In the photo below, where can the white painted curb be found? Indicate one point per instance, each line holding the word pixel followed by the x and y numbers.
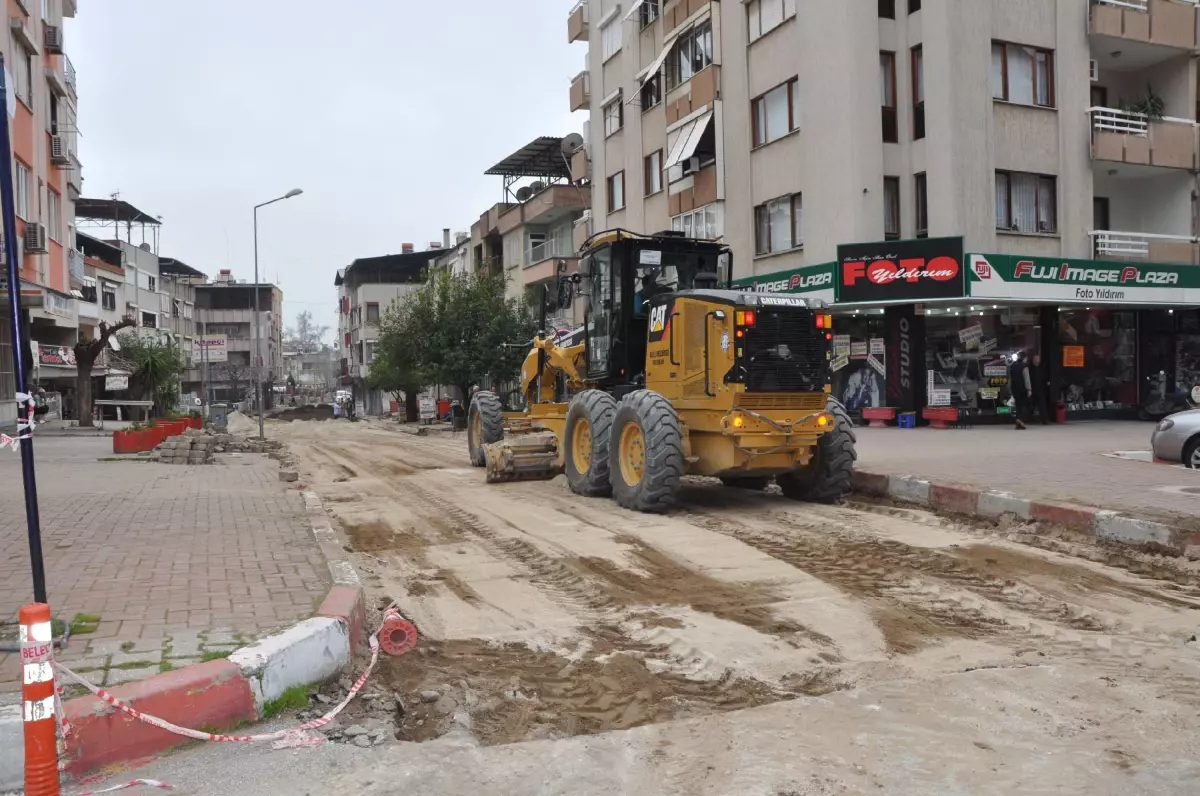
pixel 12 749
pixel 310 652
pixel 909 488
pixel 1128 530
pixel 997 504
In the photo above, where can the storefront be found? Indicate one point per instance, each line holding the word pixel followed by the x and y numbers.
pixel 920 324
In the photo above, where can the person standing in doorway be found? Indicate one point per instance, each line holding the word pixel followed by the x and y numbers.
pixel 1019 383
pixel 1037 388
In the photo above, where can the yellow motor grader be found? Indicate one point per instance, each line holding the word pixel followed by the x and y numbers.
pixel 673 373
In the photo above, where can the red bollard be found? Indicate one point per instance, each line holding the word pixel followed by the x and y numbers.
pixel 37 695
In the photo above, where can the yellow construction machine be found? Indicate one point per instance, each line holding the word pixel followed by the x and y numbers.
pixel 672 373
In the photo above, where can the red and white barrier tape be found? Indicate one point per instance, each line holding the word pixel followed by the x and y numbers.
pixel 133 783
pixel 283 739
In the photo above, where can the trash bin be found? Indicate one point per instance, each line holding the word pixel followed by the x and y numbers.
pixel 1060 412
pixel 219 414
pixel 907 420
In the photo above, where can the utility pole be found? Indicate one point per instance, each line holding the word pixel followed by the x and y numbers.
pixel 257 317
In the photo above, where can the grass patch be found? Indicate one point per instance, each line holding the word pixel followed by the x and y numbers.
pixel 295 698
pixel 133 665
pixel 165 666
pixel 84 623
pixel 214 655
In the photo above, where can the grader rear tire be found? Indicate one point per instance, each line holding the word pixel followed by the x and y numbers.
pixel 586 443
pixel 646 453
pixel 827 477
pixel 485 425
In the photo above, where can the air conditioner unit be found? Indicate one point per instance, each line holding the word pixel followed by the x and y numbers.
pixel 58 151
pixel 35 238
pixel 54 39
pixel 1094 70
pixel 691 165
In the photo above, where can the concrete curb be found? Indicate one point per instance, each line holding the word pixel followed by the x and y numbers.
pixel 1098 524
pixel 212 695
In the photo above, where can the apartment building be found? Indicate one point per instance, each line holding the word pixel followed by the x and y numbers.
pixel 366 288
pixel 534 235
pixel 226 306
pixel 962 178
pixel 47 178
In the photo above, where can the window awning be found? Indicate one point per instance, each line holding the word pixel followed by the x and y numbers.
pixel 610 98
pixel 657 63
pixel 687 139
pixel 633 7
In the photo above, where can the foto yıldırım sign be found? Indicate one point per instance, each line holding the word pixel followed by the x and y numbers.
pixel 903 270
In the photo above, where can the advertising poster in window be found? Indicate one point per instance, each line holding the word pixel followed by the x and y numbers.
pixel 908 270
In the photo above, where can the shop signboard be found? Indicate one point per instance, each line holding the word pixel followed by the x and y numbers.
pixel 1004 276
pixel 116 382
pixel 971 336
pixel 813 281
pixel 1073 356
pixel 213 348
pixel 858 350
pixel 60 356
pixel 904 270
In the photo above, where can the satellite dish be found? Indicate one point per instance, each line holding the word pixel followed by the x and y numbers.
pixel 524 193
pixel 571 143
pixel 144 247
pixel 537 186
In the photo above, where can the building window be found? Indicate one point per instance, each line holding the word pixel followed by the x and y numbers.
pixel 914 6
pixel 149 320
pixel 775 114
pixel 616 192
pixel 21 189
pixel 22 75
pixel 693 51
pixel 918 90
pixel 887 86
pixel 372 313
pixel 921 191
pixel 891 208
pixel 1026 202
pixel 651 92
pixel 887 9
pixel 54 214
pixel 648 12
pixel 766 15
pixel 778 225
pixel 108 296
pixel 151 284
pixel 610 38
pixel 614 116
pixel 368 352
pixel 703 222
pixel 653 163
pixel 1023 75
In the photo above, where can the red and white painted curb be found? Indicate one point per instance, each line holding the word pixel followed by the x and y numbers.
pixel 219 693
pixel 1098 524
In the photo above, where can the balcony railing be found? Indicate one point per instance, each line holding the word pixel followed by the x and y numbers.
pixel 1166 23
pixel 69 74
pixel 1179 249
pixel 577 22
pixel 1128 137
pixel 544 251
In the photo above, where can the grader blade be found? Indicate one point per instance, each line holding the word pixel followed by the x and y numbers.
pixel 522 459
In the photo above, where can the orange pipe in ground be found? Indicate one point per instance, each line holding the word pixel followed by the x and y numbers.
pixel 37 696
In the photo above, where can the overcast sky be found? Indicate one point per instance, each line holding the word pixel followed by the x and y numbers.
pixel 385 112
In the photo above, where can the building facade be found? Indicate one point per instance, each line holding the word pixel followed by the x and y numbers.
pixel 226 306
pixel 1047 144
pixel 47 179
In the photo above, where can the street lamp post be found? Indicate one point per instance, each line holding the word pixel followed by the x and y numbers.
pixel 258 394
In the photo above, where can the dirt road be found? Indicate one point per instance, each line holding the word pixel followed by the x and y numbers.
pixel 967 660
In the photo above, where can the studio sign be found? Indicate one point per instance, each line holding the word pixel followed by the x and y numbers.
pixel 913 269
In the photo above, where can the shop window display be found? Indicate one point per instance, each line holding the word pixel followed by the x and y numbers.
pixel 1099 359
pixel 857 383
pixel 1187 351
pixel 967 357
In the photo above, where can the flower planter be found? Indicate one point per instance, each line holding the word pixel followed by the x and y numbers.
pixel 127 441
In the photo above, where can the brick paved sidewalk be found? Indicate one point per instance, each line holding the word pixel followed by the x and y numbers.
pixel 1064 463
pixel 177 563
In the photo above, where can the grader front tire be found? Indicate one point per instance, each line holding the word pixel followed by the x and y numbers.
pixel 646 453
pixel 827 478
pixel 587 435
pixel 485 425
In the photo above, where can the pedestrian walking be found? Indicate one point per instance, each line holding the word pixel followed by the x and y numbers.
pixel 337 408
pixel 1039 389
pixel 1020 385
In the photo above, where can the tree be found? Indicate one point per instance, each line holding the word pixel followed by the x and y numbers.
pixel 234 373
pixel 157 366
pixel 306 336
pixel 399 353
pixel 470 319
pixel 87 351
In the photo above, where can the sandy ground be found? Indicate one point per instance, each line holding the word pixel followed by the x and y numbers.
pixel 743 644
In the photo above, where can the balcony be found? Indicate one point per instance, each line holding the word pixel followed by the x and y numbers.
pixel 580 165
pixel 577 23
pixel 1125 246
pixel 1144 32
pixel 581 91
pixel 556 202
pixel 1124 137
pixel 541 262
pixel 69 74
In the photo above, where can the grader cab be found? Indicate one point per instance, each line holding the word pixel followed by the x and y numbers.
pixel 673 373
